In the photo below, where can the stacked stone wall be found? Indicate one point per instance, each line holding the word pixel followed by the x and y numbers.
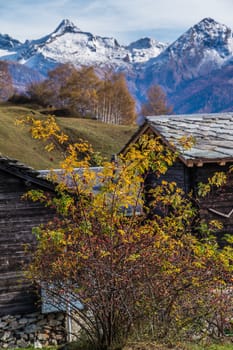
pixel 35 329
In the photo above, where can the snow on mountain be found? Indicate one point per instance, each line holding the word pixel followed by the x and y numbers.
pixel 203 48
pixel 69 44
pixel 144 49
pixel 66 26
pixel 206 42
pixel 9 47
pixel 81 48
pixel 8 43
pixel 184 69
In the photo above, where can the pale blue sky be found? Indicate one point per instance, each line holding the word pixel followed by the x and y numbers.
pixel 126 20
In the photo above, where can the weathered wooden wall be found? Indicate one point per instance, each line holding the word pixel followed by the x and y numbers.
pixel 220 199
pixel 178 173
pixel 17 217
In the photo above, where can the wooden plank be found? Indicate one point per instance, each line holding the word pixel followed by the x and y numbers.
pixel 17 218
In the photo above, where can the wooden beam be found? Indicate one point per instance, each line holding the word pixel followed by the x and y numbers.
pixel 190 164
pixel 199 163
pixel 222 163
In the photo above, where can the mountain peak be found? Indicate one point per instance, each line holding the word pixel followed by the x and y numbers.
pixel 143 43
pixel 206 35
pixel 208 20
pixel 144 49
pixel 66 26
pixel 209 24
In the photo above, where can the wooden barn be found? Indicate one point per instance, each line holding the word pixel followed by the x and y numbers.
pixel 212 152
pixel 17 218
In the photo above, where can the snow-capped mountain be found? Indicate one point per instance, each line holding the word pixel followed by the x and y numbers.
pixel 8 46
pixel 198 53
pixel 204 47
pixel 68 43
pixel 144 49
pixel 208 41
pixel 184 68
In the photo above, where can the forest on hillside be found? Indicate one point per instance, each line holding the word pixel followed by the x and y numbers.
pixel 83 93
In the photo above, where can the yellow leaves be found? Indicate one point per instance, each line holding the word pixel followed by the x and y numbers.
pixel 50 147
pixel 46 130
pixel 64 204
pixel 218 180
pixel 35 195
pixel 134 257
pixel 187 142
pixel 215 225
pixel 121 232
pixel 104 253
pixel 57 237
pixel 77 156
pixel 92 224
pixel 150 153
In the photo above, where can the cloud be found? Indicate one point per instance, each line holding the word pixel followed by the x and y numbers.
pixel 127 18
pixel 124 19
pixel 132 14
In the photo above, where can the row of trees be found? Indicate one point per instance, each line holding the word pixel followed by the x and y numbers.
pixel 146 274
pixel 83 93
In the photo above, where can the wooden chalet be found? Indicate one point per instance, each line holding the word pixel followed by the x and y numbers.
pixel 17 218
pixel 212 152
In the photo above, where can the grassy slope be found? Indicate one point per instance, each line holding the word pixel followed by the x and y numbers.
pixel 15 141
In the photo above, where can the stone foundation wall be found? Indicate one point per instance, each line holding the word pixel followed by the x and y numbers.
pixel 33 329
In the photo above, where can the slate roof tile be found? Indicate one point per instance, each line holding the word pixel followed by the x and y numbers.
pixel 213 134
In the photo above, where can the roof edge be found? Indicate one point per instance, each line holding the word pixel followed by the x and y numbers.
pixel 188 162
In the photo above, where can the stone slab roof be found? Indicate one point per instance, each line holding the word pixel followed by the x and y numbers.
pixel 212 133
pixel 24 172
pixel 69 181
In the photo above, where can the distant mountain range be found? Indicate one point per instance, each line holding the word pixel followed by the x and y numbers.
pixel 196 71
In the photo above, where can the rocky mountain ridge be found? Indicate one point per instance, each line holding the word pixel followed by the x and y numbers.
pixel 184 69
pixel 68 43
pixel 187 68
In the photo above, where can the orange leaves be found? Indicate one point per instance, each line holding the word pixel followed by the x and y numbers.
pixel 156 102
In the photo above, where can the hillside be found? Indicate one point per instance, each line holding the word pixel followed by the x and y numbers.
pixel 15 141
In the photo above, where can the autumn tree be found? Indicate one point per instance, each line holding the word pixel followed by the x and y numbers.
pixel 156 102
pixel 79 93
pixel 40 94
pixel 128 272
pixel 6 85
pixel 115 103
pixel 85 94
pixel 47 92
